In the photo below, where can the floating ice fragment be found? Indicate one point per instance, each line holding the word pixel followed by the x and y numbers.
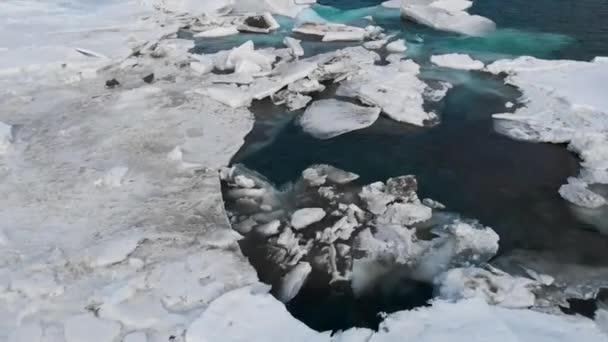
pixel 293 281
pixel 395 88
pixel 398 46
pixel 294 45
pixel 264 23
pixel 448 20
pixel 325 119
pixel 457 61
pixel 303 218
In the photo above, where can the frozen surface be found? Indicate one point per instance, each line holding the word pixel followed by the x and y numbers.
pixel 325 119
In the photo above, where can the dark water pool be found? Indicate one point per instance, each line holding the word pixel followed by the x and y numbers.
pixel 506 184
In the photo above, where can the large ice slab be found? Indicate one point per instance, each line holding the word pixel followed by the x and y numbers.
pixel 447 15
pixel 395 88
pixel 325 119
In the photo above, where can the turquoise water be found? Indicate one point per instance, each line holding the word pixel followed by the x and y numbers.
pixel 508 185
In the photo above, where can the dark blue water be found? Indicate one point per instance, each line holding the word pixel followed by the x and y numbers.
pixel 508 185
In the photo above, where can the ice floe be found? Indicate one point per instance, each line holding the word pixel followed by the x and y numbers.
pixel 563 103
pixel 457 61
pixel 447 15
pixel 395 88
pixel 325 119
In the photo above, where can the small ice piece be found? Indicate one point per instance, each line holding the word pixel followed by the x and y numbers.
pixel 344 36
pixel 6 137
pixel 581 196
pixel 496 287
pixel 294 46
pixel 398 46
pixel 88 328
pixel 113 251
pixel 316 175
pixel 245 192
pixel 433 204
pixel 138 336
pixel 269 229
pixel 329 118
pixel 201 68
pixel 244 181
pixel 457 61
pixel 306 86
pixel 303 218
pixel 375 44
pixel 293 281
pixel 264 23
pixel 509 104
pixel 218 32
pixel 295 101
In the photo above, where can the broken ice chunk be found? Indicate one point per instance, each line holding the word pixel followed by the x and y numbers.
pixel 457 61
pixel 218 32
pixel 398 46
pixel 325 119
pixel 293 281
pixel 264 23
pixel 303 218
pixel 294 46
pixel 269 229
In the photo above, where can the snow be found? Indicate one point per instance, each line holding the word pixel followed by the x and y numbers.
pixel 395 88
pixel 303 218
pixel 457 61
pixel 447 15
pixel 474 320
pixel 329 32
pixel 563 103
pixel 249 314
pixel 326 119
pixel 88 328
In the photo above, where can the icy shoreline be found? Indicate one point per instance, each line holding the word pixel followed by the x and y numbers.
pixel 113 225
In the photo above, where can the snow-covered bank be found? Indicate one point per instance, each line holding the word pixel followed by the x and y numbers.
pixel 564 102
